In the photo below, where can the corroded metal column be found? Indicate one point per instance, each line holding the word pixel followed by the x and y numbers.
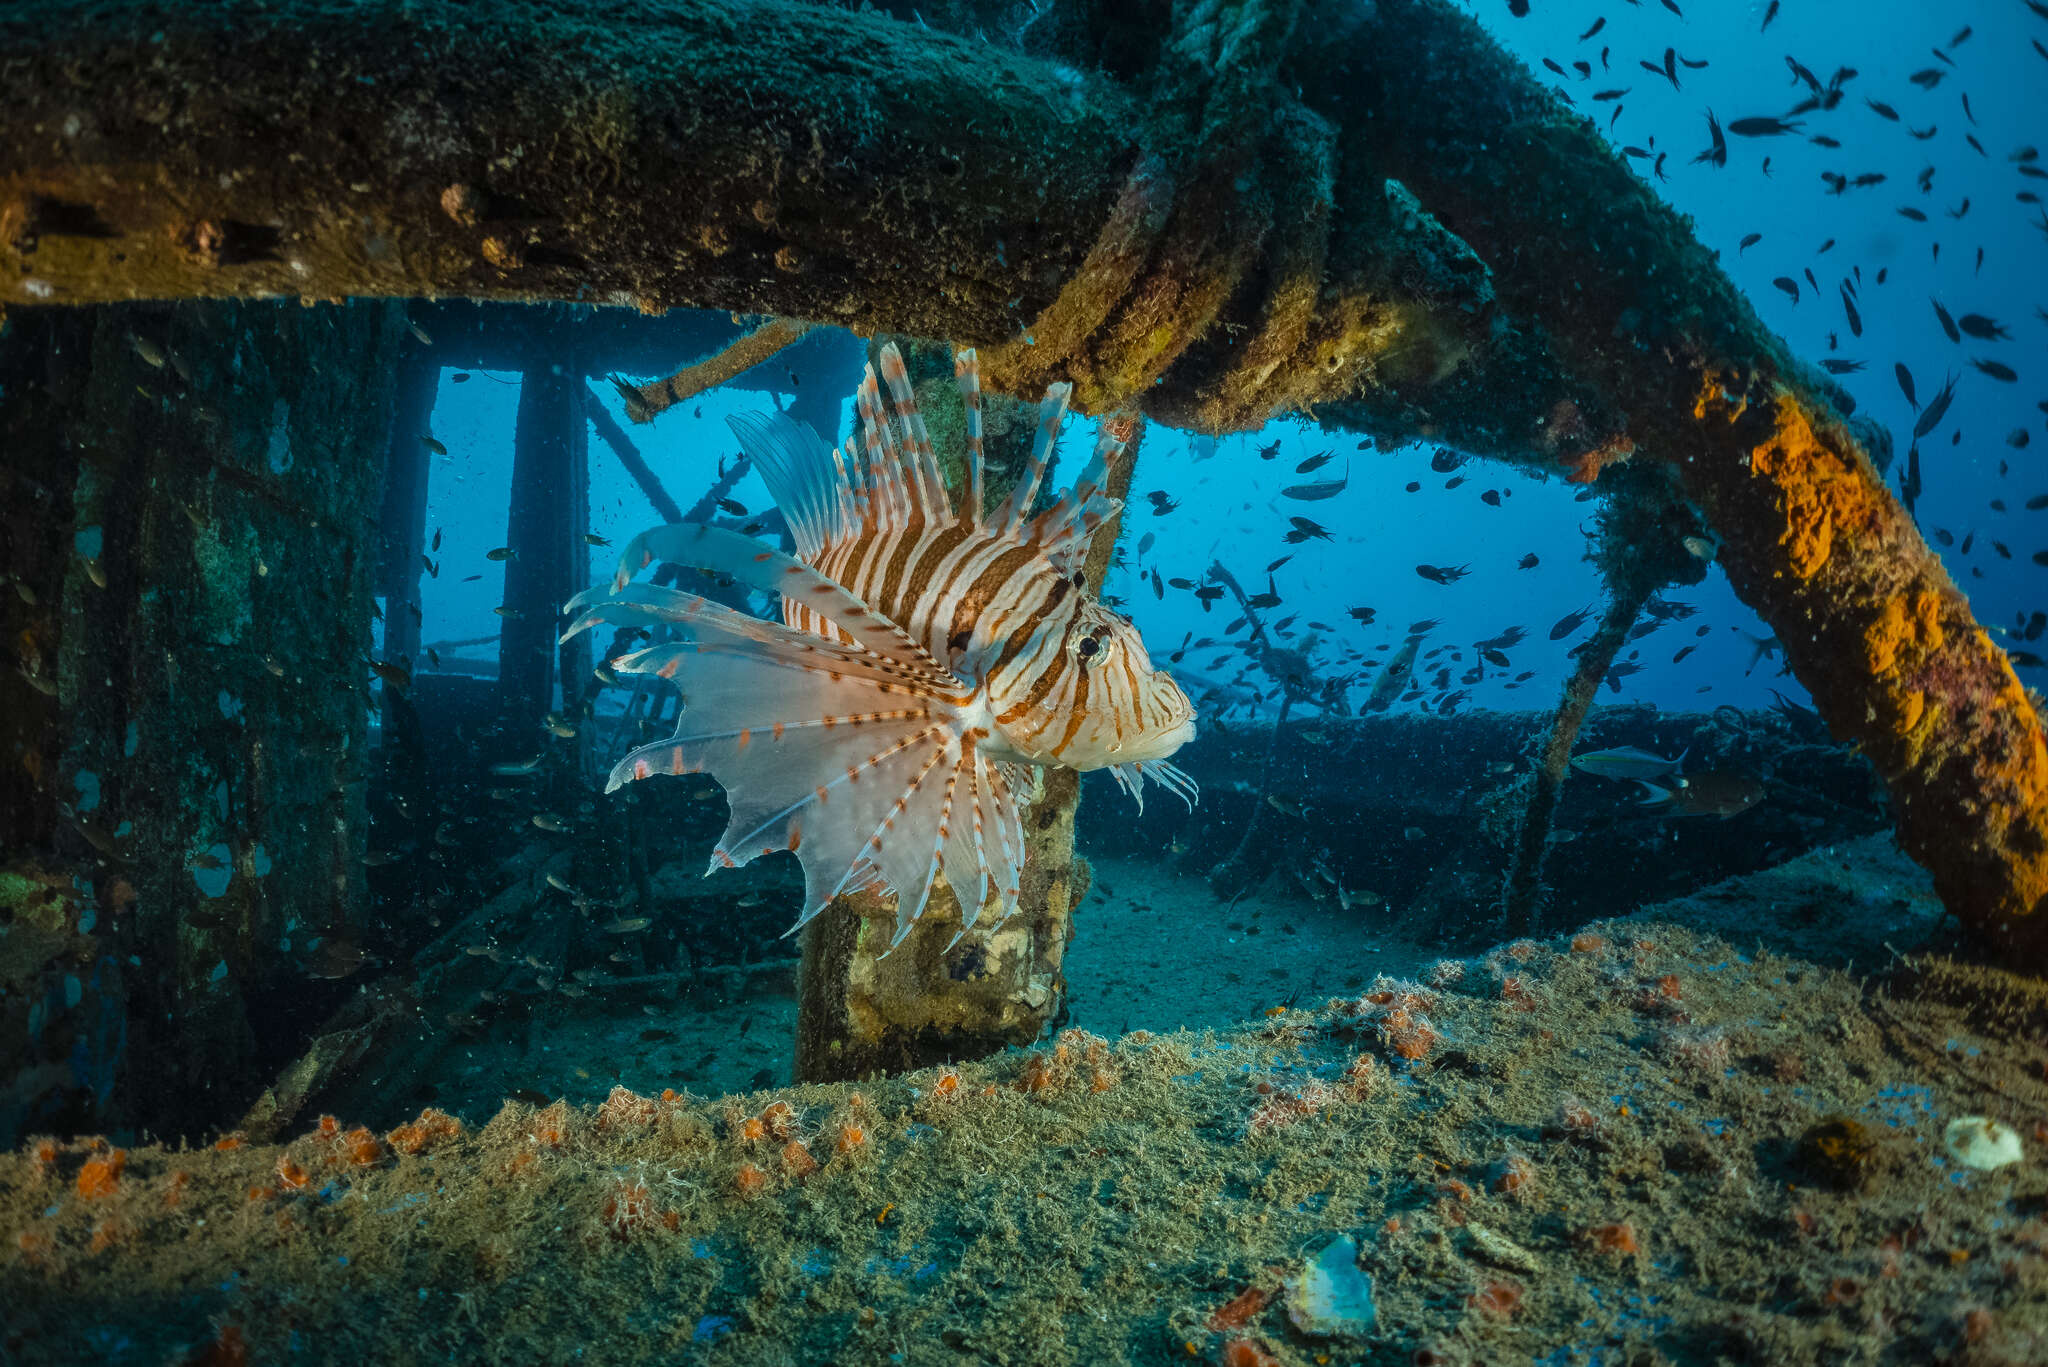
pixel 212 472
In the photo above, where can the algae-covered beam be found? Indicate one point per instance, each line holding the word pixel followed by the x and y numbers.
pixel 802 161
pixel 645 401
pixel 1185 240
pixel 1813 540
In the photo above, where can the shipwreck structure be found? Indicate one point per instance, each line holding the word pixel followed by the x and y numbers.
pixel 1202 214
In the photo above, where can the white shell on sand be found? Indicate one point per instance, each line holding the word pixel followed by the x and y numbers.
pixel 1332 1298
pixel 1976 1142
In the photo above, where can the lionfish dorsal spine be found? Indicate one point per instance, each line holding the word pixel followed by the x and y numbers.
pixel 1052 413
pixel 967 374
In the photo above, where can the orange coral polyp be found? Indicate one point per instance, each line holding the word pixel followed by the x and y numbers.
pixel 797 1159
pixel 101 1174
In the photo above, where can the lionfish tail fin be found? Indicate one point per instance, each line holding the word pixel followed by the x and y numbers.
pixel 759 566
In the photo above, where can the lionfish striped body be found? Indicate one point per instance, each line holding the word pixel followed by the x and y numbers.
pixel 925 655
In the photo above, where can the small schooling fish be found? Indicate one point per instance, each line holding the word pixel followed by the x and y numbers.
pixel 1627 762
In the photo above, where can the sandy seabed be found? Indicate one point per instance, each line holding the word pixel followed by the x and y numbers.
pixel 1709 1132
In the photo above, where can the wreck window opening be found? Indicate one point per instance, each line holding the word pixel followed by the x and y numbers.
pixel 468 504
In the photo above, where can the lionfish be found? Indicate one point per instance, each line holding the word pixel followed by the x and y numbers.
pixel 925 656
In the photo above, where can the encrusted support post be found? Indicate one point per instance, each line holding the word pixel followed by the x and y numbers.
pixel 1523 895
pixel 629 456
pixel 1885 642
pixel 540 572
pixel 1640 547
pixel 193 879
pixel 646 401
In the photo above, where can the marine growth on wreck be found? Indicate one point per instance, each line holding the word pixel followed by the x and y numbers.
pixel 593 594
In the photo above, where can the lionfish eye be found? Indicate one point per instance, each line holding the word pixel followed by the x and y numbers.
pixel 1089 645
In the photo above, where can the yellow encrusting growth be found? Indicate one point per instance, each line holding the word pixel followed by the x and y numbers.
pixel 1822 495
pixel 1890 650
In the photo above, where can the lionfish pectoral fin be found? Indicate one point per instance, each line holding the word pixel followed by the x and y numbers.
pixel 825 752
pixel 759 566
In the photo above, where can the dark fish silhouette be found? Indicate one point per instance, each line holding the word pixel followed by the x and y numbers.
pixel 1570 623
pixel 1937 408
pixel 1527 562
pixel 1948 324
pixel 1669 71
pixel 1315 462
pixel 1997 370
pixel 1717 149
pixel 1763 126
pixel 1443 574
pixel 1982 328
pixel 1905 378
pixel 1748 241
pixel 1789 286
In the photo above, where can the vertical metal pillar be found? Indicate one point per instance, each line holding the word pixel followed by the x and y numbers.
pixel 544 519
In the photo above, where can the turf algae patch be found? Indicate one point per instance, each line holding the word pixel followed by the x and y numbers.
pixel 1602 1150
